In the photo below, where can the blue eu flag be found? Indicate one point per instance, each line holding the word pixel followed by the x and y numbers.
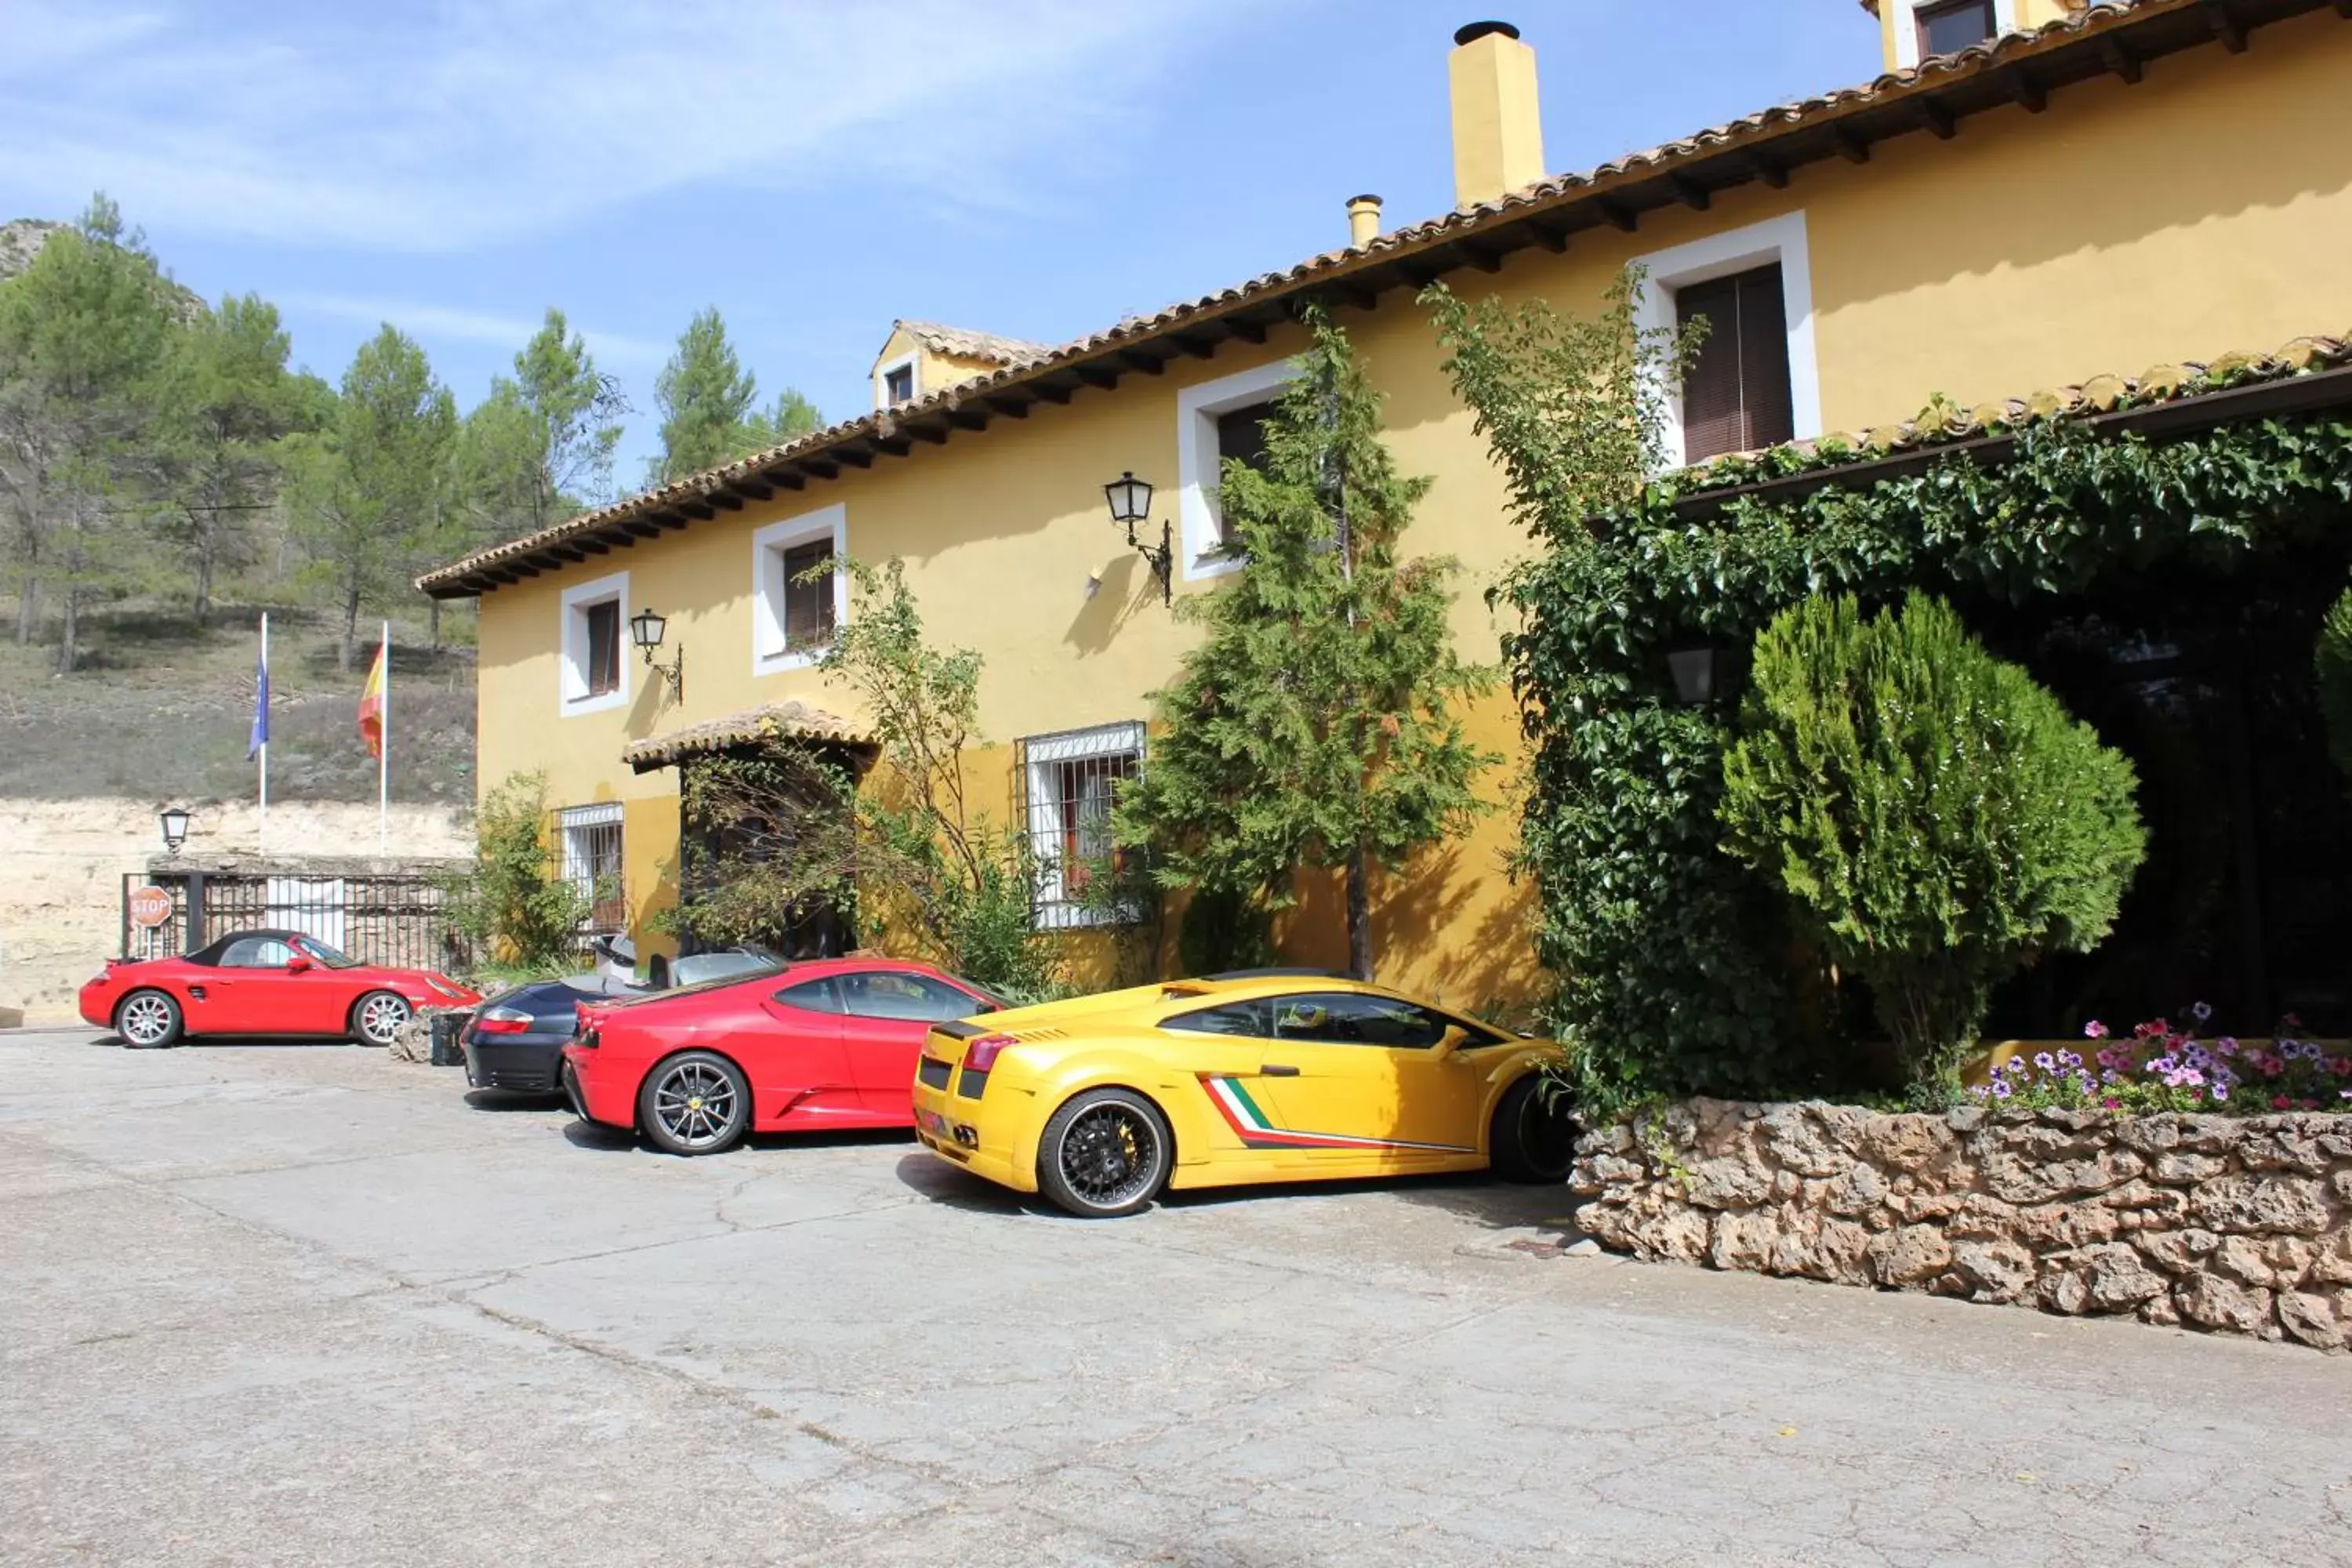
pixel 260 709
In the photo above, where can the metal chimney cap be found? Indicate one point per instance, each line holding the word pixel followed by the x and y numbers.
pixel 1362 200
pixel 1478 30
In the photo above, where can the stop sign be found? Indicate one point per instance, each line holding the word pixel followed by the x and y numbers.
pixel 150 906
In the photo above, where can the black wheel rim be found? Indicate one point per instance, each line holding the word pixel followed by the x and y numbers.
pixel 380 1018
pixel 696 1104
pixel 1109 1155
pixel 1548 1140
pixel 145 1020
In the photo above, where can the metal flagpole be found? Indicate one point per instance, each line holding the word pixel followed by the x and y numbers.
pixel 261 722
pixel 384 752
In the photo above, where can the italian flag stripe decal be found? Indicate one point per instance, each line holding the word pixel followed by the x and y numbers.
pixel 1258 1131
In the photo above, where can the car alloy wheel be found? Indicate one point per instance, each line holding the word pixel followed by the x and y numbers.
pixel 696 1106
pixel 381 1015
pixel 1111 1156
pixel 148 1018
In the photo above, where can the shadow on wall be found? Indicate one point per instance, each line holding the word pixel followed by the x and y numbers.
pixel 1125 587
pixel 1441 929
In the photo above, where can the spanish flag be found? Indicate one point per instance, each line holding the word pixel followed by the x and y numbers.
pixel 372 702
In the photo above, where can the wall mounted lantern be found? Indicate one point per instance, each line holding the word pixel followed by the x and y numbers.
pixel 1131 503
pixel 174 820
pixel 1702 672
pixel 645 630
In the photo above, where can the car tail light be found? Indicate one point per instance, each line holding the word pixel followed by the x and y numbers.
pixel 502 1021
pixel 584 1026
pixel 981 1055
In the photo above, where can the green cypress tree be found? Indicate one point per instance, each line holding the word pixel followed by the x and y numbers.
pixel 1316 725
pixel 1935 817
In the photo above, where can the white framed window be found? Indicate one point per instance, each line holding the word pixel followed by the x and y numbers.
pixel 588 856
pixel 1775 244
pixel 1211 418
pixel 594 674
pixel 897 382
pixel 1070 781
pixel 1949 24
pixel 794 618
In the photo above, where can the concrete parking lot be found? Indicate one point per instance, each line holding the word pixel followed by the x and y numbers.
pixel 304 1304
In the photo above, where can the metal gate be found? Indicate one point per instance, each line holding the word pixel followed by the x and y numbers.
pixel 396 919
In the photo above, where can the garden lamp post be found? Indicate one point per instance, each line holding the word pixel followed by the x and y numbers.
pixel 1131 503
pixel 174 820
pixel 645 630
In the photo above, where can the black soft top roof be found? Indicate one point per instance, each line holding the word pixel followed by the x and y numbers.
pixel 211 952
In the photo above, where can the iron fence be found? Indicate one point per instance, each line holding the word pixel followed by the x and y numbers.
pixel 400 919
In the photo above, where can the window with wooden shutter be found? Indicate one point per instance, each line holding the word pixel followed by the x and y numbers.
pixel 808 599
pixel 603 636
pixel 1736 394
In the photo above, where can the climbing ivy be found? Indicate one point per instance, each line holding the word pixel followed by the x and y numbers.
pixel 1675 969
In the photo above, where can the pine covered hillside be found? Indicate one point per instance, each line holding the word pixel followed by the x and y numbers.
pixel 21 240
pixel 160 710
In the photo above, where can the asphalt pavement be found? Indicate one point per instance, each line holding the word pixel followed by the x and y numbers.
pixel 303 1304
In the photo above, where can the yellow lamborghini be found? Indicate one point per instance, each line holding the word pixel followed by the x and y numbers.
pixel 1264 1076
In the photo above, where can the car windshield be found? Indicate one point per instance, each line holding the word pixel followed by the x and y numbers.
pixel 333 958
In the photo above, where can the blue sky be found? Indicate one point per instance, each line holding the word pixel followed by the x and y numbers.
pixel 1039 168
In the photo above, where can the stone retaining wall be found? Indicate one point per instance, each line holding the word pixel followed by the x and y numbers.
pixel 2243 1225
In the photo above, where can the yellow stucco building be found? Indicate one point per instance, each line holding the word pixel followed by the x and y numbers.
pixel 2036 192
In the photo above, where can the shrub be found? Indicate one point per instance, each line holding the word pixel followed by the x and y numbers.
pixel 512 902
pixel 1935 818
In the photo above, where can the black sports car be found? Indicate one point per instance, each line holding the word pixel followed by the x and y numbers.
pixel 515 1041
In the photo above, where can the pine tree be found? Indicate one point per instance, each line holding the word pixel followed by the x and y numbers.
pixel 227 400
pixel 1316 725
pixel 708 405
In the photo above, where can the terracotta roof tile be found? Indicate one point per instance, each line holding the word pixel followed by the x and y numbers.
pixel 958 343
pixel 774 721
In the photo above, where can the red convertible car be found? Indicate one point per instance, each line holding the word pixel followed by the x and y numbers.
pixel 262 982
pixel 830 1043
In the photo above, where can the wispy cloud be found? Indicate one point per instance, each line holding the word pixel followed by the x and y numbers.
pixel 440 124
pixel 614 351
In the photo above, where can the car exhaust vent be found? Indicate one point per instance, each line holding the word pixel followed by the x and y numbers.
pixel 1025 1035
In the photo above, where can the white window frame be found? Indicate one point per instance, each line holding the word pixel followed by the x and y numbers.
pixel 1198 460
pixel 911 362
pixel 770 654
pixel 572 698
pixel 572 863
pixel 1781 239
pixel 1906 26
pixel 1051 906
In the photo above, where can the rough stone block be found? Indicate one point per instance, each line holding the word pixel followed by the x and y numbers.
pixel 2178 1251
pixel 2262 1204
pixel 2213 1302
pixel 1996 1271
pixel 2188 1169
pixel 1908 1257
pixel 2240 1258
pixel 1743 1241
pixel 2310 1320
pixel 2119 1281
pixel 1906 1143
pixel 1731 1183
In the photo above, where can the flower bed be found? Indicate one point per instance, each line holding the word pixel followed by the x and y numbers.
pixel 2158 1067
pixel 2239 1223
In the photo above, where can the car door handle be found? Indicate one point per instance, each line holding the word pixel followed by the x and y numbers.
pixel 1271 1070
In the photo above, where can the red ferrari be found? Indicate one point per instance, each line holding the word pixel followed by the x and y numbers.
pixel 262 982
pixel 829 1043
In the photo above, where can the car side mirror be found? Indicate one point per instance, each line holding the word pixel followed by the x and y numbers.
pixel 1450 1043
pixel 297 964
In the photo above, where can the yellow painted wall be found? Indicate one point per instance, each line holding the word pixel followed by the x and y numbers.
pixel 2206 210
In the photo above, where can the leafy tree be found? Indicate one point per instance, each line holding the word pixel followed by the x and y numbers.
pixel 708 405
pixel 1936 818
pixel 788 418
pixel 226 400
pixel 366 489
pixel 83 334
pixel 512 899
pixel 1316 724
pixel 924 870
pixel 575 411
